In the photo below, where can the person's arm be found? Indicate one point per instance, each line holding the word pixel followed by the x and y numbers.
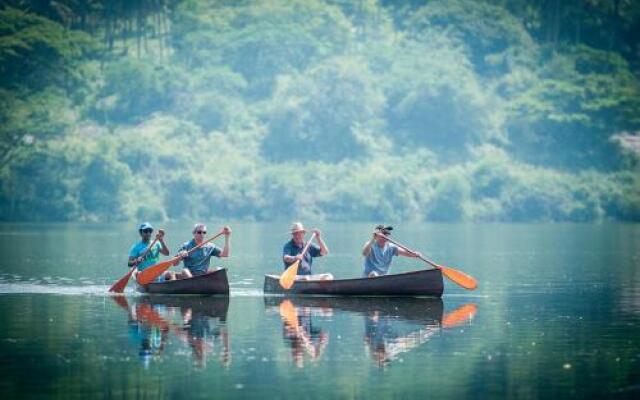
pixel 133 261
pixel 410 254
pixel 288 259
pixel 367 246
pixel 134 257
pixel 182 254
pixel 324 250
pixel 163 249
pixel 226 250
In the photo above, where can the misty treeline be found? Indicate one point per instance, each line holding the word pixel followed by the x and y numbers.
pixel 434 110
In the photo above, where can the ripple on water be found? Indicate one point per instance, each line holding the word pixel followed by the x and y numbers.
pixel 49 288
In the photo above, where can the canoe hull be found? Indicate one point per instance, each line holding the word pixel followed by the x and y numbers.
pixel 415 283
pixel 213 282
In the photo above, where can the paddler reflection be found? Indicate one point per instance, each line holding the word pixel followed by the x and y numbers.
pixel 204 332
pixel 301 334
pixel 392 326
pixel 381 327
pixel 199 323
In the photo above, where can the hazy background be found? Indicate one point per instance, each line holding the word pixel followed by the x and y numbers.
pixel 360 110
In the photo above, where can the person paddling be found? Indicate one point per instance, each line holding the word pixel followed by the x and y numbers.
pixel 378 252
pixel 197 262
pixel 292 250
pixel 138 254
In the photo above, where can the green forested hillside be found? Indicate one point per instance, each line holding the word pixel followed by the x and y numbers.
pixel 426 110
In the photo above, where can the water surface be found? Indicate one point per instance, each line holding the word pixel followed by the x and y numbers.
pixel 557 313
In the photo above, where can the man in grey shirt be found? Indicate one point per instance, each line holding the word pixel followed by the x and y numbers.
pixel 378 252
pixel 197 262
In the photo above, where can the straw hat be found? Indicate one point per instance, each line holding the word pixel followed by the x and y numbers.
pixel 297 227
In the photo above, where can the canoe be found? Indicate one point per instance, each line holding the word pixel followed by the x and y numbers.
pixel 426 310
pixel 416 283
pixel 213 282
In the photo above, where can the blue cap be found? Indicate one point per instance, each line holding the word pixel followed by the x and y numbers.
pixel 145 225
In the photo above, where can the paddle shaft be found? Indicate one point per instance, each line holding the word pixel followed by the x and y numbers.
pixel 146 251
pixel 411 251
pixel 458 277
pixel 205 242
pixel 306 247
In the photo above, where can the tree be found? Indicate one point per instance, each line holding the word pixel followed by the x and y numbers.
pixel 491 36
pixel 259 39
pixel 435 99
pixel 40 67
pixel 566 114
pixel 319 114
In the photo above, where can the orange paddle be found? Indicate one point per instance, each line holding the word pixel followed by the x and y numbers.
pixel 289 314
pixel 460 315
pixel 454 275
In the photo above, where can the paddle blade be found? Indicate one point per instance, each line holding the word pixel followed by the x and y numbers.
pixel 119 286
pixel 289 276
pixel 150 274
pixel 460 315
pixel 147 314
pixel 121 301
pixel 289 314
pixel 460 278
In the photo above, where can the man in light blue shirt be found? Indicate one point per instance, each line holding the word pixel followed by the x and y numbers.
pixel 138 254
pixel 378 252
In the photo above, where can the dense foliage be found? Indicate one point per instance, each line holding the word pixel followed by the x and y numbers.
pixel 427 110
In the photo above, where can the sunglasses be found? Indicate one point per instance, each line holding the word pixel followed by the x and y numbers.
pixel 146 230
pixel 201 232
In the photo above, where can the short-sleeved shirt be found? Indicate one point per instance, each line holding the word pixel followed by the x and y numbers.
pixel 198 260
pixel 153 257
pixel 292 249
pixel 379 258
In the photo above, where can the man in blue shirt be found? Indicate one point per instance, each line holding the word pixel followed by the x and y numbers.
pixel 138 254
pixel 378 252
pixel 292 251
pixel 197 262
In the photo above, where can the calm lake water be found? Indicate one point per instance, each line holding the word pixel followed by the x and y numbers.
pixel 557 314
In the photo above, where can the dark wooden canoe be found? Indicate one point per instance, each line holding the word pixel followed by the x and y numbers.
pixel 213 282
pixel 427 310
pixel 416 283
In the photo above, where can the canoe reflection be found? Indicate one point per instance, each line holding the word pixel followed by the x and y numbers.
pixel 382 320
pixel 199 322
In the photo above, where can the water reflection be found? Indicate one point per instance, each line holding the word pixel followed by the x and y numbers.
pixel 197 322
pixel 392 326
pixel 301 334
